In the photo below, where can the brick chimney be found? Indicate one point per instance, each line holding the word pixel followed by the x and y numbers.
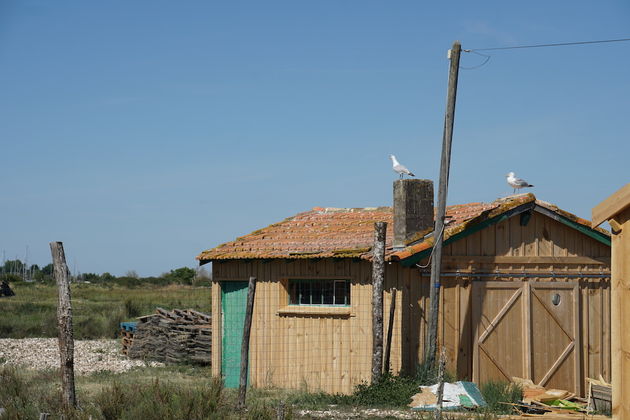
pixel 413 209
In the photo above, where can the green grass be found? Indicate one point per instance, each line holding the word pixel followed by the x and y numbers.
pixel 171 392
pixel 498 393
pixel 97 309
pixel 158 393
pixel 391 391
pixel 189 392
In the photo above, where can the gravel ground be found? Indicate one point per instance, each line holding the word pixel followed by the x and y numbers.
pixel 89 355
pixel 366 413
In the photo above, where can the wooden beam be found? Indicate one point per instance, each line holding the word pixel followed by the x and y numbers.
pixel 613 205
pixel 617 207
pixel 568 349
pixel 508 260
pixel 615 225
pixel 390 329
pixel 500 315
pixel 620 318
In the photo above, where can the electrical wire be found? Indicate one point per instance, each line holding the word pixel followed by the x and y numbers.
pixel 560 44
pixel 432 250
pixel 480 65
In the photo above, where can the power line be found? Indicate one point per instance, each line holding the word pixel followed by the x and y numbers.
pixel 561 44
pixel 479 65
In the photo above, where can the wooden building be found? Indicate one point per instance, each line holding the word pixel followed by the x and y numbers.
pixel 616 210
pixel 525 292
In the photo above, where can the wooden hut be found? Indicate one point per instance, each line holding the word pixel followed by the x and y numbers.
pixel 616 210
pixel 525 293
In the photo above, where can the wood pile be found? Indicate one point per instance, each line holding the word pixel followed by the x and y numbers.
pixel 177 336
pixel 539 401
pixel 599 395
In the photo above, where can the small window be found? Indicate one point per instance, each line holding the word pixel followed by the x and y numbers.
pixel 322 292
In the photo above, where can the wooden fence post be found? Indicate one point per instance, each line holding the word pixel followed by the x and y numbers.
pixel 440 390
pixel 378 275
pixel 64 322
pixel 390 328
pixel 242 391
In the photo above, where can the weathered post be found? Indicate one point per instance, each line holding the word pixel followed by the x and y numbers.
pixel 440 390
pixel 242 390
pixel 390 328
pixel 445 164
pixel 64 322
pixel 378 275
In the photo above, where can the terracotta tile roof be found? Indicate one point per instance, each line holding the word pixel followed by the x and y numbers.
pixel 321 232
pixel 349 232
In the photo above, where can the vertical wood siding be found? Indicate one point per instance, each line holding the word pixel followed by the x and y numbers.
pixel 542 247
pixel 316 352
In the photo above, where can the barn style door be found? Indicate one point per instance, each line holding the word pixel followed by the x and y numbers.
pixel 555 339
pixel 529 330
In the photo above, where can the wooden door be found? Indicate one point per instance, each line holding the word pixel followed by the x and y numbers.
pixel 555 342
pixel 499 336
pixel 233 305
pixel 529 330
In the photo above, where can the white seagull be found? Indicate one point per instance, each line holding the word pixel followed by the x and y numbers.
pixel 517 183
pixel 398 168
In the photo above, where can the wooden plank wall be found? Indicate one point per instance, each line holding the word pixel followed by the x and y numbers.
pixel 326 351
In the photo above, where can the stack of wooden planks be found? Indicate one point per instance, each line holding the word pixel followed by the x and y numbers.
pixel 177 336
pixel 599 395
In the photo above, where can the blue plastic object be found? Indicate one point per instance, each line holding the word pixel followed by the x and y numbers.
pixel 128 326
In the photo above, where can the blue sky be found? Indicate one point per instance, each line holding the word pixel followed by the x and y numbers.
pixel 141 133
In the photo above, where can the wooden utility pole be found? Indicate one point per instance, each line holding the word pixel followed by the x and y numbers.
pixel 445 164
pixel 64 320
pixel 378 275
pixel 242 389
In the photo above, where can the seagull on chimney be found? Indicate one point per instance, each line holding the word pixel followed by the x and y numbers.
pixel 398 168
pixel 517 183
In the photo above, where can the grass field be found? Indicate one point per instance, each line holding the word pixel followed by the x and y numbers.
pixel 189 392
pixel 175 392
pixel 97 310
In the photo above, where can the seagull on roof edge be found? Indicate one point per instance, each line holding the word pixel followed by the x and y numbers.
pixel 517 183
pixel 398 168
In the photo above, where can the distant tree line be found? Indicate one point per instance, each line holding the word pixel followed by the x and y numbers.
pixel 17 271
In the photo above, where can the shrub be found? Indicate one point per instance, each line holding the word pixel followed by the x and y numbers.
pixel 11 278
pixel 133 309
pixel 15 398
pixel 390 390
pixel 427 374
pixel 496 393
pixel 162 400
